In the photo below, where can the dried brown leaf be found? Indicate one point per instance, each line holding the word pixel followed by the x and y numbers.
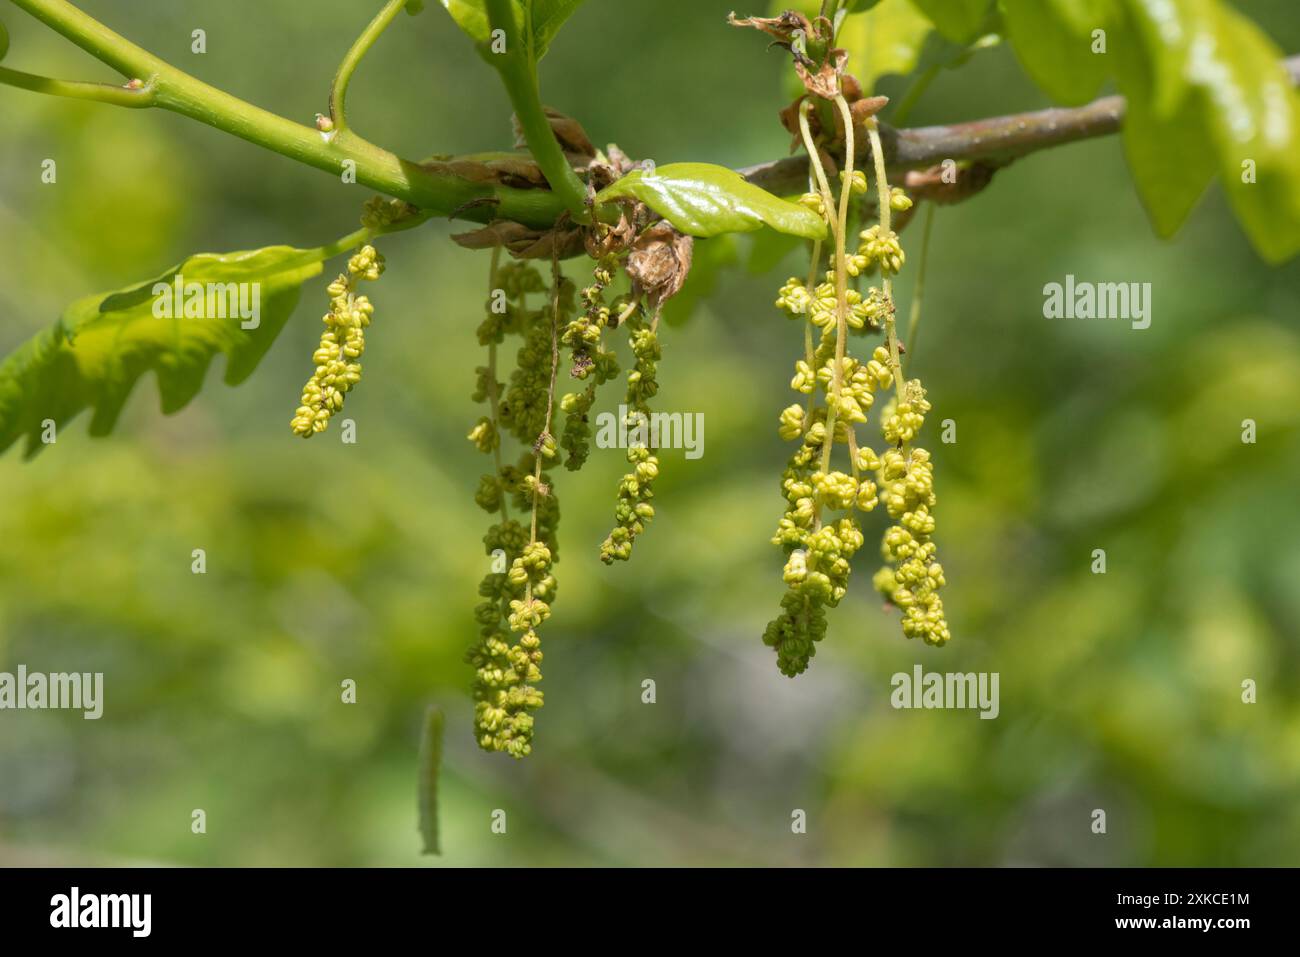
pixel 499 232
pixel 501 169
pixel 825 81
pixel 524 242
pixel 784 29
pixel 573 138
pixel 660 262
pixel 564 243
pixel 604 240
pixel 790 120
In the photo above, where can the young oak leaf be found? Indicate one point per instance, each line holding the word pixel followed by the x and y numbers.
pixel 961 21
pixel 704 200
pixel 544 17
pixel 1214 87
pixel 104 343
pixel 1053 39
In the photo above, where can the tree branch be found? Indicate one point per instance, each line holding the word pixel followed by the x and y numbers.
pixel 997 140
pixel 172 89
pixel 992 141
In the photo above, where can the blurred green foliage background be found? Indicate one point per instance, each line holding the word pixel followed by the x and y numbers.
pixel 326 561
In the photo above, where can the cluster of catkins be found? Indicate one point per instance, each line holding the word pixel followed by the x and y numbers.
pixel 838 393
pixel 592 361
pixel 517 593
pixel 341 345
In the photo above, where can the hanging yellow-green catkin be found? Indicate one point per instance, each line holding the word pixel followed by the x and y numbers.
pixel 590 361
pixel 839 391
pixel 338 368
pixel 912 575
pixel 517 592
pixel 819 550
pixel 634 510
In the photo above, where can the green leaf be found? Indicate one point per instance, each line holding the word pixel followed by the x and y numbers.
pixel 885 40
pixel 548 17
pixel 101 346
pixel 1216 80
pixel 959 20
pixel 1167 154
pixel 544 17
pixel 1053 41
pixel 1168 158
pixel 704 200
pixel 430 762
pixel 938 52
pixel 471 16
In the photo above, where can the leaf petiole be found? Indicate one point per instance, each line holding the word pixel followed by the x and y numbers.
pixel 339 88
pixel 518 69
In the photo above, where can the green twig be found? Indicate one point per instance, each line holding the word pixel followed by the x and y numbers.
pixel 339 89
pixel 132 97
pixel 135 94
pixel 172 89
pixel 166 87
pixel 518 69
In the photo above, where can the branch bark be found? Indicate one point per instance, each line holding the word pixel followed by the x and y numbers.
pixel 996 140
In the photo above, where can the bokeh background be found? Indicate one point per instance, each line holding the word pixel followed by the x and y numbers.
pixel 327 561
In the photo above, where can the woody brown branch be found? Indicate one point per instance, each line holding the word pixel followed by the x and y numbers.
pixel 994 141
